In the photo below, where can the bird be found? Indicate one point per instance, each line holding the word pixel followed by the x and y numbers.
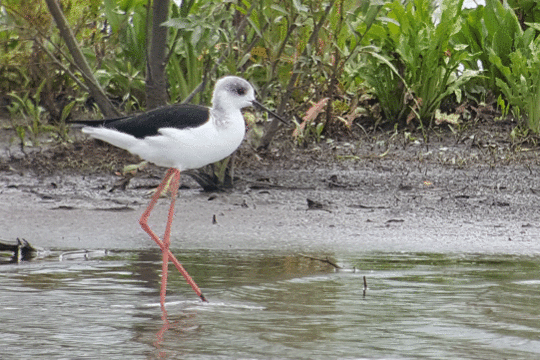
pixel 182 137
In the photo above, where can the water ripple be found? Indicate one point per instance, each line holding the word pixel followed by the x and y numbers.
pixel 274 305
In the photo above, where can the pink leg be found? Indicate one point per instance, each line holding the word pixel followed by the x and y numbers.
pixel 164 245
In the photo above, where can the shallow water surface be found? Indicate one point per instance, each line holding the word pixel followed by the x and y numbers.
pixel 273 305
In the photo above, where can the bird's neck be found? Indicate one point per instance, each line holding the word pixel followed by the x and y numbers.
pixel 224 118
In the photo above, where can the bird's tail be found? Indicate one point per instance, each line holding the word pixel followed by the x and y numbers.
pixel 95 123
pixel 113 137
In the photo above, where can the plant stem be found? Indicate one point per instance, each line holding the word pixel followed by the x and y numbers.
pixel 96 91
pixel 273 126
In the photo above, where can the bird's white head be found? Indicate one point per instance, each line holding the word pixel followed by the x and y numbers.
pixel 232 92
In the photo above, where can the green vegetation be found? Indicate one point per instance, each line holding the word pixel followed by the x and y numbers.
pixel 322 63
pixel 419 60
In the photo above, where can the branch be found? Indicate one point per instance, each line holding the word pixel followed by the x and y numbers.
pixel 95 89
pixel 273 127
pixel 65 68
pixel 365 287
pixel 326 261
pixel 239 32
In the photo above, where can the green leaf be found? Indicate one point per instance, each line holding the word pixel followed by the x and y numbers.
pixel 67 110
pixel 300 7
pixel 178 23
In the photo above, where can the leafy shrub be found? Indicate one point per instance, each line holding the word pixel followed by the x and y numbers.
pixel 520 83
pixel 415 66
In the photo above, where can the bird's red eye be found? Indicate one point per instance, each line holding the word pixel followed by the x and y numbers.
pixel 240 91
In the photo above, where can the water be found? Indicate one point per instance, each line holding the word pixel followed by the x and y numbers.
pixel 267 305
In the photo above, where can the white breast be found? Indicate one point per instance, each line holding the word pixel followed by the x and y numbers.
pixel 195 147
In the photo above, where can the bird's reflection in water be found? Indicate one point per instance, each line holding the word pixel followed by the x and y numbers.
pixel 178 327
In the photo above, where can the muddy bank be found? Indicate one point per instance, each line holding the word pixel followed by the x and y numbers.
pixel 440 197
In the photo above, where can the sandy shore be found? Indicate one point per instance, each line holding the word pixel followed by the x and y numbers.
pixel 393 206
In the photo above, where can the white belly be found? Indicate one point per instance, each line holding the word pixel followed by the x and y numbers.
pixel 191 148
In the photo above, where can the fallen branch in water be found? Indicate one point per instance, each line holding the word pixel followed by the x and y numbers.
pixel 330 262
pixel 326 261
pixel 365 287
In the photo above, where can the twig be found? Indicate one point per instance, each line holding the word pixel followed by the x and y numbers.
pixel 59 63
pixel 365 287
pixel 326 261
pixel 273 126
pixel 256 38
pixel 278 55
pixel 239 32
pixel 104 104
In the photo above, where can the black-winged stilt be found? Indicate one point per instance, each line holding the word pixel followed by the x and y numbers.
pixel 182 137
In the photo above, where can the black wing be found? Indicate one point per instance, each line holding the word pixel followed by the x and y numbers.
pixel 147 124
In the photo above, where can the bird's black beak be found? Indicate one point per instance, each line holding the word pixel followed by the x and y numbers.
pixel 259 105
